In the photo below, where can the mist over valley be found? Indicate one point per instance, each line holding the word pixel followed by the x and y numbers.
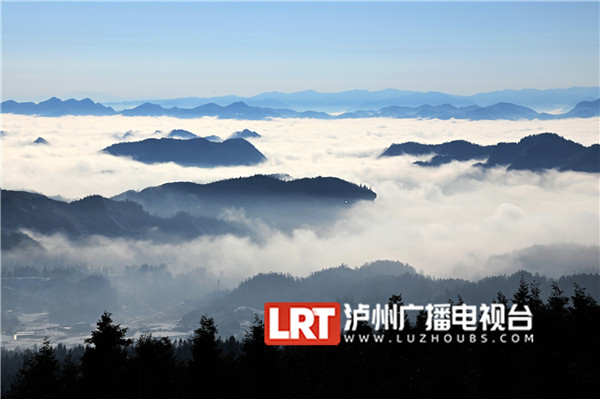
pixel 160 243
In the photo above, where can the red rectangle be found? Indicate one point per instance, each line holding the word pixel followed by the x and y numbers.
pixel 302 323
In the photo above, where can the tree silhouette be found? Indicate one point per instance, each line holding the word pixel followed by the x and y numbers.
pixel 586 323
pixel 582 300
pixel 259 360
pixel 154 368
pixel 501 298
pixel 254 339
pixel 397 299
pixel 561 362
pixel 103 364
pixel 205 366
pixel 205 345
pixel 421 321
pixel 521 297
pixel 535 301
pixel 557 301
pixel 39 376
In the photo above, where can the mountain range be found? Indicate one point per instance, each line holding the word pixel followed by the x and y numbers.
pixel 353 100
pixel 174 211
pixel 536 153
pixel 241 110
pixel 57 107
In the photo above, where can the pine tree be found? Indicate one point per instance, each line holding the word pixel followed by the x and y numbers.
pixel 258 360
pixel 39 376
pixel 205 346
pixel 103 364
pixel 535 301
pixel 521 297
pixel 205 366
pixel 397 300
pixel 557 301
pixel 421 322
pixel 581 299
pixel 154 367
pixel 254 340
pixel 500 298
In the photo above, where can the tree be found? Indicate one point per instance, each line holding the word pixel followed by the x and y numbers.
pixel 254 340
pixel 421 321
pixel 535 301
pixel 205 346
pixel 396 299
pixel 259 360
pixel 154 367
pixel 205 366
pixel 521 297
pixel 500 298
pixel 39 376
pixel 586 320
pixel 557 301
pixel 581 299
pixel 103 364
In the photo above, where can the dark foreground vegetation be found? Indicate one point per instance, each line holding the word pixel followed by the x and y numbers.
pixel 562 361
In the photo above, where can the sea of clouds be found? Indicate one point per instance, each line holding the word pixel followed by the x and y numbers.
pixel 451 221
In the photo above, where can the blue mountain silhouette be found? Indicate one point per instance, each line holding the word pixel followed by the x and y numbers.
pixel 241 110
pixel 57 107
pixel 245 134
pixel 536 153
pixel 192 152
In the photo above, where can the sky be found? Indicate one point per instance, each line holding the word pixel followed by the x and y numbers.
pixel 451 221
pixel 113 50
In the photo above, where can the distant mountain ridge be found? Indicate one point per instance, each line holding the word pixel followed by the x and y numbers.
pixel 536 153
pixel 57 107
pixel 353 100
pixel 241 110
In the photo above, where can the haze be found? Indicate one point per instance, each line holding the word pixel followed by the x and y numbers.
pixel 446 221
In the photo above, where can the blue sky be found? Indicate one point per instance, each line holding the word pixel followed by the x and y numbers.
pixel 165 50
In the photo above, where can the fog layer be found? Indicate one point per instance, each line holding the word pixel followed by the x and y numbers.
pixel 446 221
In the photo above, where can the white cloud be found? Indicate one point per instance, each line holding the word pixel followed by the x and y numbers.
pixel 446 221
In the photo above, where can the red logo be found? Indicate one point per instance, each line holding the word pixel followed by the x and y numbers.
pixel 302 323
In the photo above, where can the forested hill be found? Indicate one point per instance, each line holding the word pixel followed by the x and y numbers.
pixel 96 215
pixel 536 153
pixel 263 185
pixel 285 203
pixel 191 152
pixel 182 210
pixel 373 283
